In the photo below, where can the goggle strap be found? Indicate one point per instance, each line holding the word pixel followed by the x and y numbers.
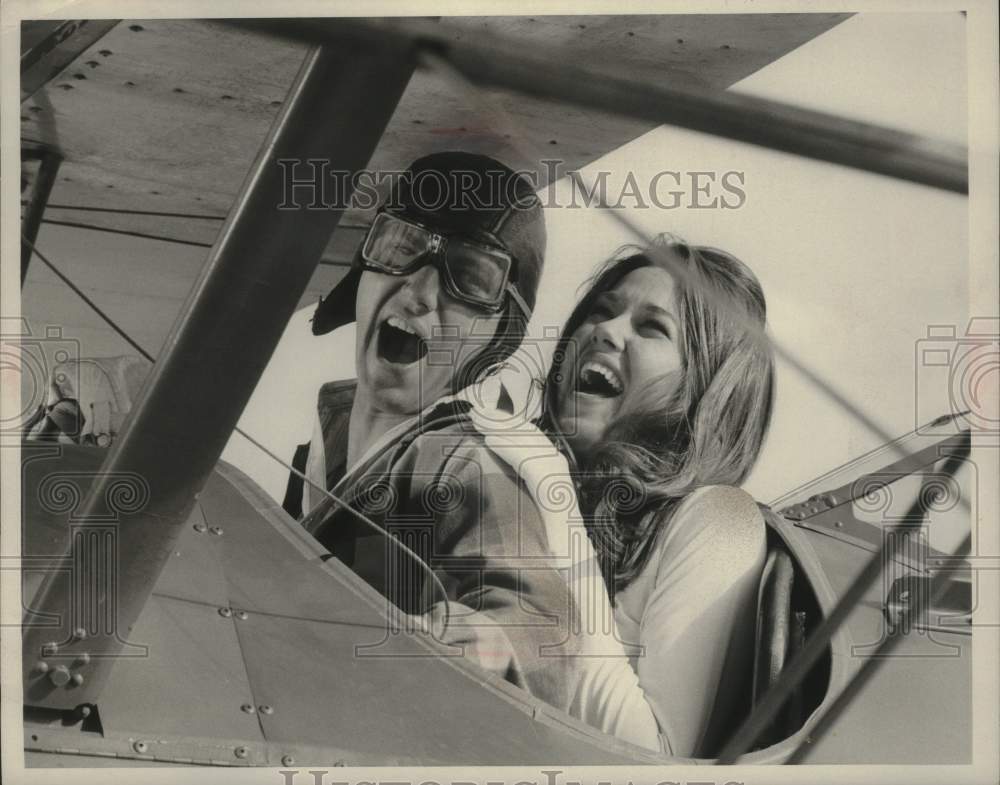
pixel 516 295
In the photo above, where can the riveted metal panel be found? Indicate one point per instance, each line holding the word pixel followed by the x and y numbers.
pixel 192 682
pixel 194 570
pixel 370 709
pixel 277 568
pixel 304 621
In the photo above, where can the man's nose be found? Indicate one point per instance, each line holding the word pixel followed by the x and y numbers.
pixel 613 333
pixel 423 287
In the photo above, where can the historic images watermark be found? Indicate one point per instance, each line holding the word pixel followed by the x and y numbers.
pixel 311 184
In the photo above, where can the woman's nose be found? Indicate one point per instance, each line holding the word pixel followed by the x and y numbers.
pixel 423 287
pixel 612 333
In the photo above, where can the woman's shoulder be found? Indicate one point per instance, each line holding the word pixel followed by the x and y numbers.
pixel 717 525
pixel 727 504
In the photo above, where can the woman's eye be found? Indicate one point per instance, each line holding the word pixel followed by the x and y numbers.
pixel 657 328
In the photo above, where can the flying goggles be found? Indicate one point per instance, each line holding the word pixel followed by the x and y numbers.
pixel 473 272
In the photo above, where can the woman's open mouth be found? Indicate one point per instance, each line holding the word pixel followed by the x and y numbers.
pixel 598 379
pixel 399 343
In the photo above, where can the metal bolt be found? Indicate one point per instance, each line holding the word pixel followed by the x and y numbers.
pixel 78 679
pixel 83 659
pixel 216 530
pixel 140 747
pixel 241 752
pixel 85 711
pixel 41 666
pixel 241 615
pixel 225 612
pixel 50 649
pixel 339 763
pixel 287 760
pixel 247 708
pixel 201 528
pixel 59 676
pixel 265 709
pixel 839 524
pixel 80 634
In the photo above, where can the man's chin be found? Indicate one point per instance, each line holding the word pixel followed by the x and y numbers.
pixel 401 392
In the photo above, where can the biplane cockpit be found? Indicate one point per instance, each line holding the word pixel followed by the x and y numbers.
pixel 174 613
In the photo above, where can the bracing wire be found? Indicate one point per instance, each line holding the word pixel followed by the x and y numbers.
pixel 503 120
pixel 438 585
pixel 816 643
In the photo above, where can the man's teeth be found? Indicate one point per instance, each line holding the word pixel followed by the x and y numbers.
pixel 609 376
pixel 399 324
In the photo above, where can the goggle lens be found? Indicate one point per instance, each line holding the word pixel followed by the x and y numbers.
pixel 394 245
pixel 474 273
pixel 477 273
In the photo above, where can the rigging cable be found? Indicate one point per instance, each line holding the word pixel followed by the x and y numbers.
pixel 798 668
pixel 439 586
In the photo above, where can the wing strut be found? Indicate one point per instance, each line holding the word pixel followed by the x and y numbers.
pixel 262 260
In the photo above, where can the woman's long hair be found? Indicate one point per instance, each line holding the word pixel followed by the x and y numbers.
pixel 707 431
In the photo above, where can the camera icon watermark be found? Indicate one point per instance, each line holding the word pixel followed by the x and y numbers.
pixel 504 387
pixel 958 376
pixel 36 363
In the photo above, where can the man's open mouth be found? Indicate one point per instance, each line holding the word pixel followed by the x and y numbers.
pixel 399 343
pixel 598 379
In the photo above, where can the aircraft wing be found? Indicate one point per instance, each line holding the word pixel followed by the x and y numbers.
pixel 167 115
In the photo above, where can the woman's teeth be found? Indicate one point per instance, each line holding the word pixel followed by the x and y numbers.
pixel 595 373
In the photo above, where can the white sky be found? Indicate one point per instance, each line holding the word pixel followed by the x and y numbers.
pixel 855 266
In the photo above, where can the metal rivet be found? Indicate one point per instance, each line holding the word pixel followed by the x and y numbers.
pixel 339 763
pixel 136 28
pixel 839 524
pixel 241 752
pixel 265 709
pixel 41 666
pixel 50 649
pixel 83 659
pixel 287 760
pixel 225 612
pixel 217 531
pixel 140 747
pixel 85 711
pixel 78 679
pixel 248 708
pixel 59 675
pixel 201 528
pixel 241 615
pixel 80 634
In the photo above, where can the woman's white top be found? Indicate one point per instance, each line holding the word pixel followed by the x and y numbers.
pixel 675 652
